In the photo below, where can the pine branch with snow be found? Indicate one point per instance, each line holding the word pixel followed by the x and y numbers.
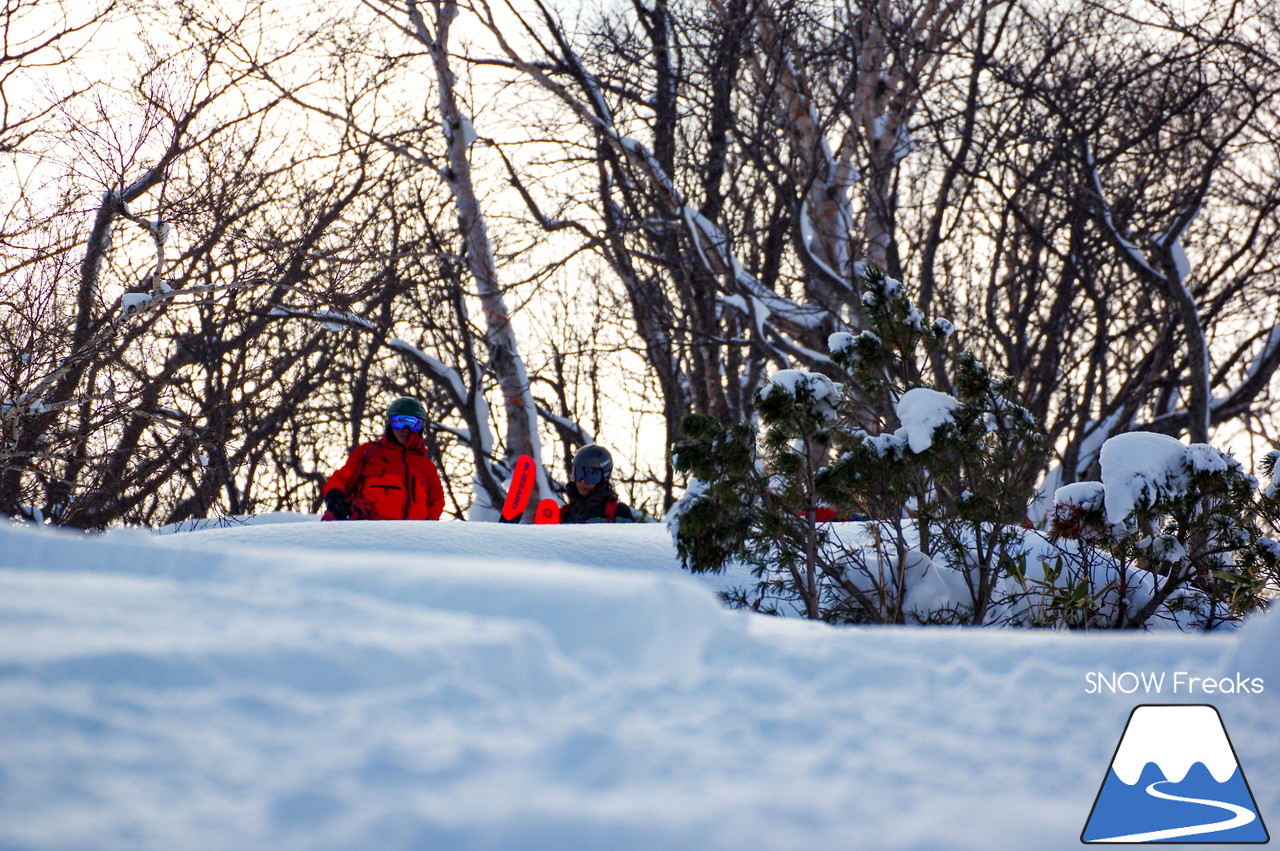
pixel 961 460
pixel 711 524
pixel 1183 523
pixel 943 478
pixel 1173 535
pixel 757 503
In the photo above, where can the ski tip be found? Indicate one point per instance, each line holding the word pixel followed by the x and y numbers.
pixel 547 512
pixel 522 482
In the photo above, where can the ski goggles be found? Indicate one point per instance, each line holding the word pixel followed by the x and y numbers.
pixel 590 475
pixel 414 424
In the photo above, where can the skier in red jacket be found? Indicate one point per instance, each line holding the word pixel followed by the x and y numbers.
pixel 391 478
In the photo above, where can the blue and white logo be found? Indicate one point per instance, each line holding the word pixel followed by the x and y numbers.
pixel 1175 778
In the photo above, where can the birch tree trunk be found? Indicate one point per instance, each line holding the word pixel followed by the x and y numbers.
pixel 499 338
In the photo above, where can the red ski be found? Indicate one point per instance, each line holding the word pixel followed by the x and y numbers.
pixel 522 481
pixel 548 511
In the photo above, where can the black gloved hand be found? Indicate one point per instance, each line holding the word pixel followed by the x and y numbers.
pixel 337 503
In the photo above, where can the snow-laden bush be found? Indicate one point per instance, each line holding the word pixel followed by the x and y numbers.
pixel 932 463
pixel 942 473
pixel 1175 532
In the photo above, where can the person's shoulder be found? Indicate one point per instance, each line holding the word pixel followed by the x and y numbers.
pixel 365 451
pixel 420 458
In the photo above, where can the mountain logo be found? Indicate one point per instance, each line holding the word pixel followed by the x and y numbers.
pixel 1175 778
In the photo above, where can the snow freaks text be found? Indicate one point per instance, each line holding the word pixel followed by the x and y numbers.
pixel 1163 682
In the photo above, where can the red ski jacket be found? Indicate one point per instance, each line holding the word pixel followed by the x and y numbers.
pixel 399 482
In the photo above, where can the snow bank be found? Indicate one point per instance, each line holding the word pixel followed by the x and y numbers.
pixel 410 685
pixel 644 547
pixel 1256 650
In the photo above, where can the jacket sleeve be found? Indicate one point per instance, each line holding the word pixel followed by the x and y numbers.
pixel 435 492
pixel 342 478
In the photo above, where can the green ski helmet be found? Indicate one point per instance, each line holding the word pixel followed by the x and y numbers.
pixel 593 456
pixel 407 405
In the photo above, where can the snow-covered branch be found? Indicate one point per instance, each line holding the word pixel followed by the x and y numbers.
pixel 1171 279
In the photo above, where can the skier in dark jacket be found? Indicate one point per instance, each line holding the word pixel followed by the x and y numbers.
pixel 391 478
pixel 592 498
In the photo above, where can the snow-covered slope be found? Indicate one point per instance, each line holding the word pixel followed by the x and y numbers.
pixel 456 686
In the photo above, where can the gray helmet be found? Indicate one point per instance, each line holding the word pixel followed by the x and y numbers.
pixel 595 456
pixel 407 405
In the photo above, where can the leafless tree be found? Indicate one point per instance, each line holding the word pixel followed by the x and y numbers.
pixel 744 155
pixel 1109 222
pixel 40 36
pixel 210 292
pixel 1096 213
pixel 168 394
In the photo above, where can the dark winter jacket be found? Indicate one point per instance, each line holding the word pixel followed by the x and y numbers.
pixel 399 482
pixel 594 507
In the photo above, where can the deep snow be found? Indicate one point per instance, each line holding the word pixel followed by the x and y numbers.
pixel 464 685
